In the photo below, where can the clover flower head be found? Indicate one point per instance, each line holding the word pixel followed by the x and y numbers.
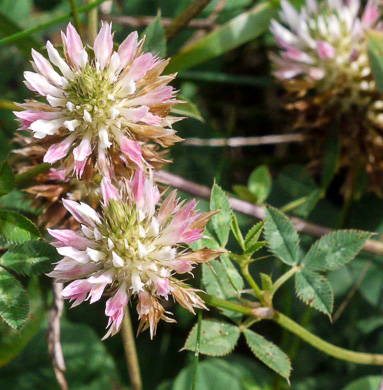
pixel 133 249
pixel 103 106
pixel 324 40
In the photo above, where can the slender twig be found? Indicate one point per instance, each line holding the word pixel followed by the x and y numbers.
pixel 92 22
pixel 324 346
pixel 284 278
pixel 252 283
pixel 76 16
pixel 52 22
pixel 196 352
pixel 311 229
pixel 185 17
pixel 245 141
pixel 54 344
pixel 143 21
pixel 293 327
pixel 131 352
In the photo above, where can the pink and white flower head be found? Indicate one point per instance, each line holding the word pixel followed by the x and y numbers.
pixel 133 248
pixel 324 41
pixel 104 106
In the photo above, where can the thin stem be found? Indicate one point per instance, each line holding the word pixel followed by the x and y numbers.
pixel 284 278
pixel 252 283
pixel 196 352
pixel 324 346
pixel 76 16
pixel 223 304
pixel 185 17
pixel 62 18
pixel 131 352
pixel 92 23
pixel 32 173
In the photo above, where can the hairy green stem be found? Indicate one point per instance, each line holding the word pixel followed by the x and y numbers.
pixel 32 173
pixel 62 18
pixel 196 352
pixel 131 352
pixel 223 304
pixel 185 17
pixel 76 16
pixel 324 346
pixel 252 283
pixel 284 278
pixel 298 330
pixel 92 23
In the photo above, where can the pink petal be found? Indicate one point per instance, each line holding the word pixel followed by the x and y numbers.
pixel 180 266
pixel 42 85
pixel 74 46
pixel 103 45
pixel 163 288
pixel 141 66
pixel 117 302
pixel 108 190
pixel 135 114
pixel 157 96
pixel 127 49
pixel 83 150
pixel 370 14
pixel 191 236
pixel 152 119
pixel 325 50
pixel 138 188
pixel 79 167
pixel 82 212
pixel 33 116
pixel 59 175
pixel 45 68
pixel 131 149
pixel 58 151
pixel 70 238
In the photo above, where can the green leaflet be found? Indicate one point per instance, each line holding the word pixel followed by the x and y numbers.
pixel 244 28
pixel 268 353
pixel 14 305
pixel 155 41
pixel 218 284
pixel 315 290
pixel 221 221
pixel 260 183
pixel 217 338
pixel 187 109
pixel 13 341
pixel 30 258
pixel 16 228
pixel 375 51
pixel 366 383
pixel 281 236
pixel 7 179
pixel 335 250
pixel 237 231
